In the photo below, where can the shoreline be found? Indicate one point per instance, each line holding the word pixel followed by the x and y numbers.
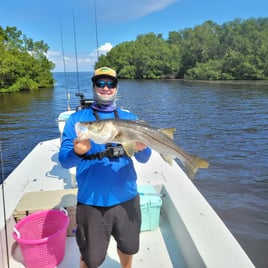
pixel 231 82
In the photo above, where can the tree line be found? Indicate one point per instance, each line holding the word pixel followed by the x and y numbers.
pixel 236 50
pixel 23 62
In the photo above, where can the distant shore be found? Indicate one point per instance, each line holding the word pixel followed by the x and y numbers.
pixel 231 82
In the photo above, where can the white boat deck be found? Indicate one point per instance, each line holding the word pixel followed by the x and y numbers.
pixel 158 247
pixel 190 233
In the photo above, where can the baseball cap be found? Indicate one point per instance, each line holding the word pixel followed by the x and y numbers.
pixel 104 72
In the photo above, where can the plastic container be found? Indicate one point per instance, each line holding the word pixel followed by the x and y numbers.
pixel 150 204
pixel 42 237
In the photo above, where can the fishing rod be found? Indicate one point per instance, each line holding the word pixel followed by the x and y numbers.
pixel 96 29
pixel 83 102
pixel 75 46
pixel 64 66
pixel 4 201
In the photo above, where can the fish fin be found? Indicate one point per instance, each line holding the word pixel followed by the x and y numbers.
pixel 167 158
pixel 169 132
pixel 129 148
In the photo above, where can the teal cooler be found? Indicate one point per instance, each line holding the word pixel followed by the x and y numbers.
pixel 150 204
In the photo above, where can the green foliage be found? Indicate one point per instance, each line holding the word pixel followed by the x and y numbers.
pixel 149 57
pixel 210 70
pixel 23 64
pixel 234 50
pixel 22 84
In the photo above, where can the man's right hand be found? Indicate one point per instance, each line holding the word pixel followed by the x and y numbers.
pixel 81 147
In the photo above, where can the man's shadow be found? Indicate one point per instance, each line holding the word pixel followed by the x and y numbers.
pixel 61 173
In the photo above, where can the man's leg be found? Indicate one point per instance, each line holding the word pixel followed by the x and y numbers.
pixel 92 235
pixel 125 260
pixel 82 263
pixel 127 230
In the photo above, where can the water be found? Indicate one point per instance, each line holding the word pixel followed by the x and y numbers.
pixel 223 123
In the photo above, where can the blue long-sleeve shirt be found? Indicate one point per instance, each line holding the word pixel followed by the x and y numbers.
pixel 104 182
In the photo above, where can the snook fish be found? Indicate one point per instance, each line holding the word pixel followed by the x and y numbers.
pixel 127 132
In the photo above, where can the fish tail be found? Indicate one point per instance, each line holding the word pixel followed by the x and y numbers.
pixel 194 164
pixel 199 162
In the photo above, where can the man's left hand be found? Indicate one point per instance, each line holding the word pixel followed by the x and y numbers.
pixel 140 146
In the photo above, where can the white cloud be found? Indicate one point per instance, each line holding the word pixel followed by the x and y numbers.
pixel 85 62
pixel 105 48
pixel 120 11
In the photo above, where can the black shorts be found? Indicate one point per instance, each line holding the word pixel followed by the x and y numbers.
pixel 95 225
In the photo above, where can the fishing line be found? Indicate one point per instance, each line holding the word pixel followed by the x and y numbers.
pixel 4 202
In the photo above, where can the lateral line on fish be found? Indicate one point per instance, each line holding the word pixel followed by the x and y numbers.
pixel 130 124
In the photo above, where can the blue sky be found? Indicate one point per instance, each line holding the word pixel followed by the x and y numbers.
pixel 117 21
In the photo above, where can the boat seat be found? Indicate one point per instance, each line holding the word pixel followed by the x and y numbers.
pixel 42 200
pixel 62 118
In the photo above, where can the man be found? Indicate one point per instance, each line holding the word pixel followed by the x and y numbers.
pixel 108 202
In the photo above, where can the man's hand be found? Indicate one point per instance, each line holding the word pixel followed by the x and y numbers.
pixel 81 147
pixel 140 146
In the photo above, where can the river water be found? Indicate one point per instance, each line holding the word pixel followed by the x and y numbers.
pixel 227 124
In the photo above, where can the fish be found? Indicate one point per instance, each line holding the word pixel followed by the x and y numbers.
pixel 128 132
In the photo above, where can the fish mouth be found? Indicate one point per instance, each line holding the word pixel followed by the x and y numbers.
pixel 80 129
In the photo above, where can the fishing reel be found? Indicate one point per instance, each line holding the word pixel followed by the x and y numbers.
pixel 84 103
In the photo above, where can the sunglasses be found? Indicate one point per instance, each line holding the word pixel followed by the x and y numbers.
pixel 102 84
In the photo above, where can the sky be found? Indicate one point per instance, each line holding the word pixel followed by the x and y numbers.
pixel 70 27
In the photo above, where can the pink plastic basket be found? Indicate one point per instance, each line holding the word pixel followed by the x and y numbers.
pixel 41 237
